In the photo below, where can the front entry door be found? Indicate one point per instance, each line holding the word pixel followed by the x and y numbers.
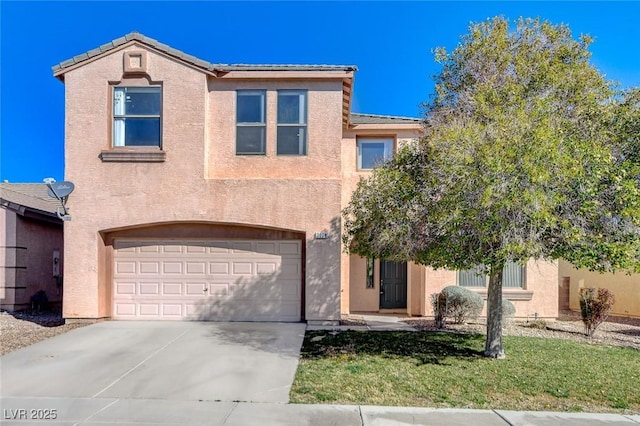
pixel 393 284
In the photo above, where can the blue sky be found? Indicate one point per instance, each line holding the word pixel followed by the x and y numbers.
pixel 390 42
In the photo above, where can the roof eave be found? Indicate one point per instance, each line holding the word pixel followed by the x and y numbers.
pixel 386 126
pixel 30 212
pixel 62 68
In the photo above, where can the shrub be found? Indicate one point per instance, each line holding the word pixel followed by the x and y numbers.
pixel 457 303
pixel 537 323
pixel 595 307
pixel 508 310
pixel 39 300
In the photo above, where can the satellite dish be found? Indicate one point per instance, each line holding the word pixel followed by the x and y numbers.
pixel 60 189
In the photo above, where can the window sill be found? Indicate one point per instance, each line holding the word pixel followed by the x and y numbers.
pixel 133 155
pixel 507 293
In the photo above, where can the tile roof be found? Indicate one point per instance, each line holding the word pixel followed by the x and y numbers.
pixel 208 66
pixel 30 195
pixel 357 118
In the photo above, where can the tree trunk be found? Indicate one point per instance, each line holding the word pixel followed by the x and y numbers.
pixel 493 347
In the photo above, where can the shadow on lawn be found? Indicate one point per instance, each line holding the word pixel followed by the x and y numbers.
pixel 424 347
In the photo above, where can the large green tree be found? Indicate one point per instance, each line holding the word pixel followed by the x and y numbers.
pixel 528 152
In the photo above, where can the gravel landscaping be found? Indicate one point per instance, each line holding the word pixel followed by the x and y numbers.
pixel 20 329
pixel 569 327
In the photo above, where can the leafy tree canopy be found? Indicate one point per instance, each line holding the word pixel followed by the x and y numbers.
pixel 528 152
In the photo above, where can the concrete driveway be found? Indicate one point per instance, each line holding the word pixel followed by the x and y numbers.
pixel 186 361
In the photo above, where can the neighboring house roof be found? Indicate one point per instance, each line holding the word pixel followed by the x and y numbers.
pixel 382 119
pixel 22 197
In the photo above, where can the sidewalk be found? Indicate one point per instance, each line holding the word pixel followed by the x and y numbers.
pixel 110 411
pixel 370 322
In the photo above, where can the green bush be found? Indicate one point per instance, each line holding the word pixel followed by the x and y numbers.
pixel 508 310
pixel 458 303
pixel 595 307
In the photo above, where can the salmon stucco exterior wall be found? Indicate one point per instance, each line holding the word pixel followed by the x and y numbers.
pixel 201 179
pixel 625 287
pixel 192 189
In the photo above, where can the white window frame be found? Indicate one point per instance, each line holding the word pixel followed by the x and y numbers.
pixel 303 140
pixel 119 116
pixel 388 142
pixel 513 276
pixel 256 124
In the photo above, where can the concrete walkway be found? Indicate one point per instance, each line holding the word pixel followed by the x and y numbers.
pixel 114 411
pixel 371 322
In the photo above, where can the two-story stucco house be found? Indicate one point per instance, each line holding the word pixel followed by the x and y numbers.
pixel 214 192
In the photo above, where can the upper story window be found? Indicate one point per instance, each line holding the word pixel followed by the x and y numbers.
pixel 373 151
pixel 513 276
pixel 137 115
pixel 251 122
pixel 292 122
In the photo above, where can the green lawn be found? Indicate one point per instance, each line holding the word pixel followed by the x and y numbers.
pixel 439 369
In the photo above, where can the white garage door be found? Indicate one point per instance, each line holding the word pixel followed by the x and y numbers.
pixel 207 280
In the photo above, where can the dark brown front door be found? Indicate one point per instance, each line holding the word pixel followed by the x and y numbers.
pixel 393 284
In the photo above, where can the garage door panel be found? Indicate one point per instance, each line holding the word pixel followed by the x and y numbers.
pixel 235 280
pixel 169 267
pixel 244 246
pixel 125 309
pixel 268 311
pixel 267 247
pixel 196 249
pixel 125 267
pixel 171 289
pixel 291 268
pixel 172 310
pixel 219 247
pixel 219 289
pixel 218 268
pixel 173 249
pixel 266 268
pixel 122 288
pixel 150 309
pixel 242 268
pixel 196 268
pixel 149 289
pixel 149 267
pixel 195 289
pixel 290 248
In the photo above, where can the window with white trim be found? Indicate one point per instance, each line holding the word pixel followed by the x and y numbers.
pixel 251 127
pixel 137 115
pixel 513 276
pixel 292 122
pixel 373 151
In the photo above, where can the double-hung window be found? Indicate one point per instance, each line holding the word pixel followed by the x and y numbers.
pixel 137 115
pixel 292 122
pixel 513 276
pixel 251 122
pixel 373 151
